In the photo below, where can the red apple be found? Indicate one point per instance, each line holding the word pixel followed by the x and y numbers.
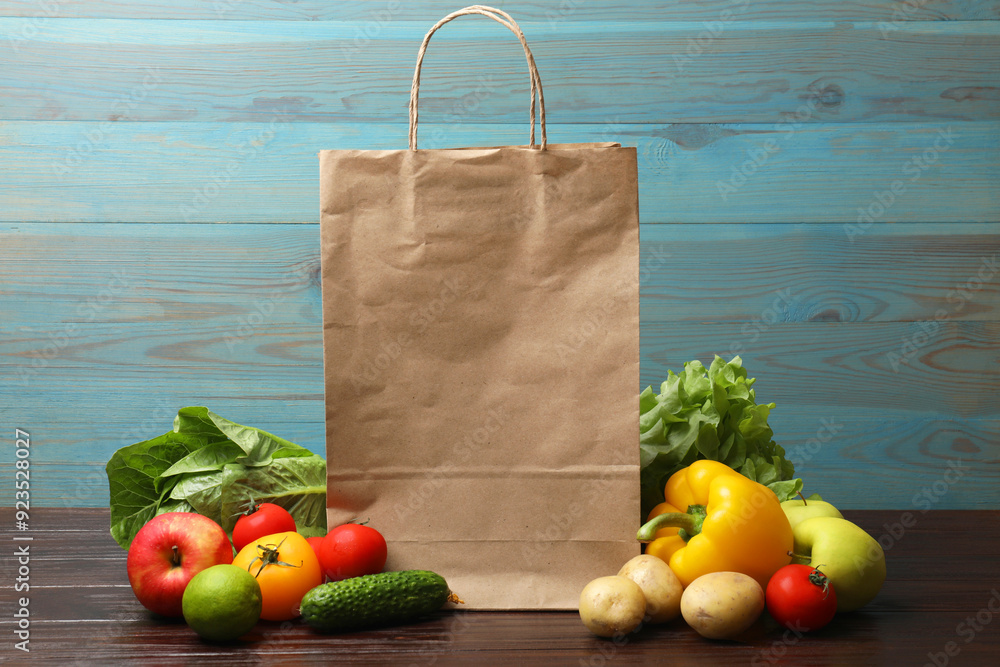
pixel 167 552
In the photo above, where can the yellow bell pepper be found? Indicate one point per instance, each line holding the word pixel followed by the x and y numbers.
pixel 716 520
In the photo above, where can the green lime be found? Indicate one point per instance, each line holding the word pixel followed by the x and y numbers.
pixel 222 602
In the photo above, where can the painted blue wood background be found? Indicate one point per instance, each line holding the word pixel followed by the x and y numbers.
pixel 819 192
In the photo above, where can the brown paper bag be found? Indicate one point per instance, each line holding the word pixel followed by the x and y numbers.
pixel 481 351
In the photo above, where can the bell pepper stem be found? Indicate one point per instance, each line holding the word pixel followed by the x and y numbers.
pixel 689 522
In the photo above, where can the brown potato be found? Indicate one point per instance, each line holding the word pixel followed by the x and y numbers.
pixel 659 584
pixel 721 605
pixel 611 606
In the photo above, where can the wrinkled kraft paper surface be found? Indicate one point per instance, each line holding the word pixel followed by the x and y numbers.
pixel 481 354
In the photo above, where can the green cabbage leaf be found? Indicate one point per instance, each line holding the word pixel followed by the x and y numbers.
pixel 210 465
pixel 709 414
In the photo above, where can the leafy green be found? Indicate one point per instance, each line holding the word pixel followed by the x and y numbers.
pixel 711 414
pixel 210 465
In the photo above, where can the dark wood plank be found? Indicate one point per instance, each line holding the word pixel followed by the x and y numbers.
pixel 927 601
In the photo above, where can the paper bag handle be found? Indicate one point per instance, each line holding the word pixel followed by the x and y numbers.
pixel 505 19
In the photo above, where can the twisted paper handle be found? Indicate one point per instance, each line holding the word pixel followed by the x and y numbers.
pixel 505 19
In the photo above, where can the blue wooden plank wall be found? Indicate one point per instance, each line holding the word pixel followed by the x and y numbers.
pixel 819 192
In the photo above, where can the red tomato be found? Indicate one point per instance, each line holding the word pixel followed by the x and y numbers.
pixel 352 550
pixel 315 543
pixel 801 598
pixel 260 520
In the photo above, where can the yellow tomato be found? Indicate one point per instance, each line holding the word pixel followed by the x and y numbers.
pixel 286 567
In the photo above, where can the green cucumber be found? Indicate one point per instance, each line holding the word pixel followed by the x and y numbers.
pixel 374 600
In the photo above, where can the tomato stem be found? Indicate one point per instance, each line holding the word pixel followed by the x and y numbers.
pixel 269 556
pixel 252 507
pixel 817 578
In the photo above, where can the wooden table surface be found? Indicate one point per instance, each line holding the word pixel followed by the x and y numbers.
pixel 942 594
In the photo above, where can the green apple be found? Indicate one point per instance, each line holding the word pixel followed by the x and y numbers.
pixel 798 510
pixel 851 558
